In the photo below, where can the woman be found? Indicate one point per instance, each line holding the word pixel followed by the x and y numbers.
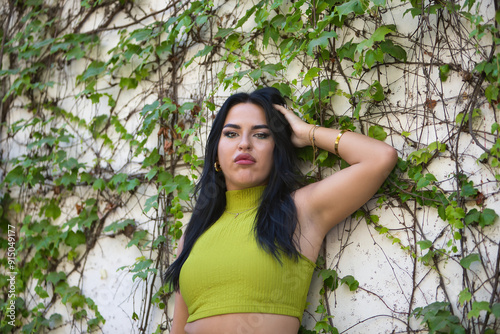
pixel 246 258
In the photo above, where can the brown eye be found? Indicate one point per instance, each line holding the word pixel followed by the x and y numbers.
pixel 229 134
pixel 262 135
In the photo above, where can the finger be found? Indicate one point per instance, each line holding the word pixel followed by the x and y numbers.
pixel 289 115
pixel 280 108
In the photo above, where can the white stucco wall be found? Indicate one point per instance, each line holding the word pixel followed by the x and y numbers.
pixel 391 281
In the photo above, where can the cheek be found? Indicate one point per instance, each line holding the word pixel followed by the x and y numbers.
pixel 223 151
pixel 269 156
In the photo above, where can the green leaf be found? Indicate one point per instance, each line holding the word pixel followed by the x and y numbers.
pixel 468 190
pixel 99 184
pixel 151 202
pixel 454 215
pixel 444 72
pixel 54 320
pixel 41 292
pixel 442 212
pixel 131 50
pixel 159 240
pixel 495 310
pixel 461 118
pixel 321 41
pixel 469 259
pixel 151 159
pixel 373 56
pixel 278 21
pixel 233 42
pixel 75 53
pixel 129 83
pixel 347 51
pixel 464 296
pixel 330 278
pixel 261 16
pixel 354 6
pixel 15 176
pixel 187 107
pixel 119 225
pixel 256 74
pixel 350 282
pixel 424 244
pixel 310 75
pixel 95 68
pixel 68 179
pixel 52 210
pixel 376 92
pixel 137 238
pixel 477 307
pixel 148 108
pixel 492 93
pixel 377 132
pixel 141 34
pixel 322 327
pixel 381 32
pixel 74 239
pixel 55 278
pixel 206 50
pixel 184 187
pixel 272 68
pixel 322 156
pixel 247 15
pixel 117 179
pixel 142 264
pixel 283 88
pixel 223 32
pixel 472 217
pixel 380 3
pixel 393 50
pixel 166 47
pixel 276 4
pixel 488 217
pixel 495 127
pixel 95 98
pixel 422 183
pixel 430 177
pixel 43 43
pixel 76 300
pixel 128 185
pixel 327 89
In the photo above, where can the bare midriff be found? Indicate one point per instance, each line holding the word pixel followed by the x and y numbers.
pixel 244 323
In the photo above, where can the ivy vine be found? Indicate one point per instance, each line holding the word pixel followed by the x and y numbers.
pixel 105 108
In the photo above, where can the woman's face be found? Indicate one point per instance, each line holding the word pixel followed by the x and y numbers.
pixel 246 145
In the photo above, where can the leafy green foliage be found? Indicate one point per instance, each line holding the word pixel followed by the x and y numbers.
pixel 438 318
pixel 137 143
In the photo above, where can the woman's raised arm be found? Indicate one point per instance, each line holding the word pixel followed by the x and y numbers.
pixel 323 204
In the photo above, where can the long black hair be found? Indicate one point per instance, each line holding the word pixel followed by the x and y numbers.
pixel 276 219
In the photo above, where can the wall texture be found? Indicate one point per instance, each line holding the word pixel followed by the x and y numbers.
pixel 105 109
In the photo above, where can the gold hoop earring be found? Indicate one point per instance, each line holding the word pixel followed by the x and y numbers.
pixel 217 167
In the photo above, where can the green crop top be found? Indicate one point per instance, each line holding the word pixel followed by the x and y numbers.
pixel 228 272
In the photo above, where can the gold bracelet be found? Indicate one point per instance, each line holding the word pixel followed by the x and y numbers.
pixel 313 142
pixel 310 136
pixel 337 140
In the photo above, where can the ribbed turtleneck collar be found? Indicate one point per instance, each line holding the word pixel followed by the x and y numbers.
pixel 237 200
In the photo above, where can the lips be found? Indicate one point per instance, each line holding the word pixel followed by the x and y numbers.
pixel 244 159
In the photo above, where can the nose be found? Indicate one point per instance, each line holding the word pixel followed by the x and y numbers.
pixel 245 143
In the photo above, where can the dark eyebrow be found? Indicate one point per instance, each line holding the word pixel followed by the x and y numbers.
pixel 255 127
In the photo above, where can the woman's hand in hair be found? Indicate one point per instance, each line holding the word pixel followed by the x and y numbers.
pixel 301 129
